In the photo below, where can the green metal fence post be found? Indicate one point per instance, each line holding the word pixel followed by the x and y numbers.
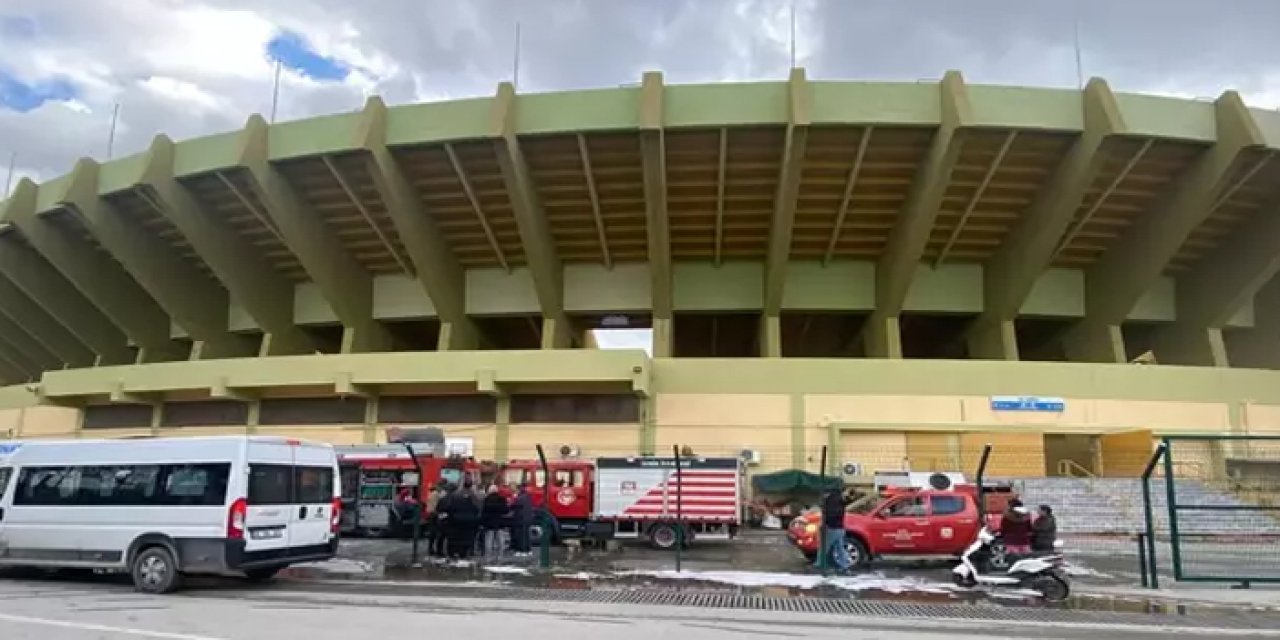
pixel 1171 497
pixel 822 526
pixel 1148 514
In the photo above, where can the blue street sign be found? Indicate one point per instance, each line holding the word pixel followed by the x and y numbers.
pixel 1027 403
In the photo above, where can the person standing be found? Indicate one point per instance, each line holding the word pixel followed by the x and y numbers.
pixel 1015 529
pixel 521 520
pixel 463 520
pixel 1044 530
pixel 493 521
pixel 833 534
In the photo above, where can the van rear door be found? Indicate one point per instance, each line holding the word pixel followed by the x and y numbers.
pixel 310 516
pixel 270 496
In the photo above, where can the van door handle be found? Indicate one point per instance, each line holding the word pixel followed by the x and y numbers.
pixel 302 512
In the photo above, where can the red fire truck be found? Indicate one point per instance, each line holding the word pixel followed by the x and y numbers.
pixel 636 498
pixel 373 475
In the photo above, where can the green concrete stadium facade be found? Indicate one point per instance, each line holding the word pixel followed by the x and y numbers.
pixel 813 257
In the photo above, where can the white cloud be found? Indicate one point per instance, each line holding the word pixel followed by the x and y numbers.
pixel 193 68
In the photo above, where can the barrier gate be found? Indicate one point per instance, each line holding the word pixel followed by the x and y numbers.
pixel 1216 501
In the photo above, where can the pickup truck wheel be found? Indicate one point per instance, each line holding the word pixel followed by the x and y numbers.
pixel 859 557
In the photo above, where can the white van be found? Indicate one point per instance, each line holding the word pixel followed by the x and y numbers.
pixel 159 508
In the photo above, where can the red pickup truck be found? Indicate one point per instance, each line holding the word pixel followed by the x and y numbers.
pixel 907 522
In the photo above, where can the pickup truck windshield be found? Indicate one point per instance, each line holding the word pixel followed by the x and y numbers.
pixel 862 505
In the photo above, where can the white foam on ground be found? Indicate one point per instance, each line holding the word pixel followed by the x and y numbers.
pixel 1081 571
pixel 505 570
pixel 863 582
pixel 581 575
pixel 338 565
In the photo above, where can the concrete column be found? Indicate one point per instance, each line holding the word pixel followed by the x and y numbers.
pixel 770 337
pixel 649 425
pixel 556 334
pixel 1090 342
pixel 997 340
pixel 371 419
pixel 883 337
pixel 157 417
pixel 1190 345
pixel 502 429
pixel 254 417
pixel 663 337
pixel 798 444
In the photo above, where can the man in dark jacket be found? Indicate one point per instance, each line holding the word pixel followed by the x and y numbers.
pixel 462 518
pixel 493 522
pixel 1044 531
pixel 833 533
pixel 521 520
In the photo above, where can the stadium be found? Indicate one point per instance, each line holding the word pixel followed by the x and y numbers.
pixel 897 271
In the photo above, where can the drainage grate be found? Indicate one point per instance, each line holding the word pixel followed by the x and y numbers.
pixel 978 611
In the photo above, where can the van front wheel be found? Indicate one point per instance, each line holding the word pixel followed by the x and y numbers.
pixel 154 570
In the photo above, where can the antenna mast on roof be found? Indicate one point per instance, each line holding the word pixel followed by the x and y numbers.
pixel 1075 22
pixel 111 136
pixel 515 63
pixel 275 93
pixel 8 182
pixel 793 34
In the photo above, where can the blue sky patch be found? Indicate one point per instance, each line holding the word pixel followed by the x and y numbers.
pixel 294 52
pixel 20 96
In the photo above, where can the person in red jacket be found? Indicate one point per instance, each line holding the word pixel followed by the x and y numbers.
pixel 1015 529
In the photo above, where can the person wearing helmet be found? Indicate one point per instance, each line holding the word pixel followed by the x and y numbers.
pixel 1015 529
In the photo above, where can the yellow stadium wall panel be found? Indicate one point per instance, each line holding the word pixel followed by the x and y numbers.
pixel 1163 417
pixel 189 432
pixel 35 422
pixel 1262 419
pixel 933 451
pixel 318 433
pixel 823 409
pixel 725 409
pixel 1015 454
pixel 1125 455
pixel 483 437
pixel 773 442
pixel 113 434
pixel 873 450
pixel 592 440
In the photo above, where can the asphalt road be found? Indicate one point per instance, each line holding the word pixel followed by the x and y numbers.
pixel 105 609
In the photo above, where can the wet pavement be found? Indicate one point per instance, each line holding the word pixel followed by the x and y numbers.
pixel 760 564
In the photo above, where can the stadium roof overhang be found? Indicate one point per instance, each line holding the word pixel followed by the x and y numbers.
pixel 100 265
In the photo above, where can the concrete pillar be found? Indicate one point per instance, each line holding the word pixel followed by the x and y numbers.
pixel 996 340
pixel 1095 342
pixel 502 428
pixel 883 337
pixel 770 337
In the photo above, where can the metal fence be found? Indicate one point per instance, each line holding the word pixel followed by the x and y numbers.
pixel 1216 501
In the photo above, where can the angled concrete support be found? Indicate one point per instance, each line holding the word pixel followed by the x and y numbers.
pixel 435 266
pixel 1092 342
pixel 1029 250
pixel 42 326
pixel 1222 284
pixel 657 223
pixel 42 284
pixel 1259 347
pixel 25 343
pixel 98 278
pixel 265 294
pixel 907 241
pixel 535 232
pixel 196 303
pixel 1117 281
pixel 787 194
pixel 343 282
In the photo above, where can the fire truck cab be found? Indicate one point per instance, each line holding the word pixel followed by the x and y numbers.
pixel 571 492
pixel 374 475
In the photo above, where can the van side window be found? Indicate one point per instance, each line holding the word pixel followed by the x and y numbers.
pixel 5 472
pixel 314 485
pixel 117 485
pixel 45 486
pixel 196 485
pixel 271 484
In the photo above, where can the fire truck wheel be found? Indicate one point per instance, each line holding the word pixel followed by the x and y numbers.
pixel 663 536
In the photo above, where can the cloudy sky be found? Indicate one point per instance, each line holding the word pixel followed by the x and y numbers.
pixel 189 68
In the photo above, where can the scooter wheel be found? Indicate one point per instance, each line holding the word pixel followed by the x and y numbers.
pixel 1052 588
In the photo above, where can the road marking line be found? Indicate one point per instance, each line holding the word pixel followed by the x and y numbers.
pixel 84 626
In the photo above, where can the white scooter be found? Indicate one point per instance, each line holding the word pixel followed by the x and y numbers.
pixel 1042 574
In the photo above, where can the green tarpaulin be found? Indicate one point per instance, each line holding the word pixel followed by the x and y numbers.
pixel 793 482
